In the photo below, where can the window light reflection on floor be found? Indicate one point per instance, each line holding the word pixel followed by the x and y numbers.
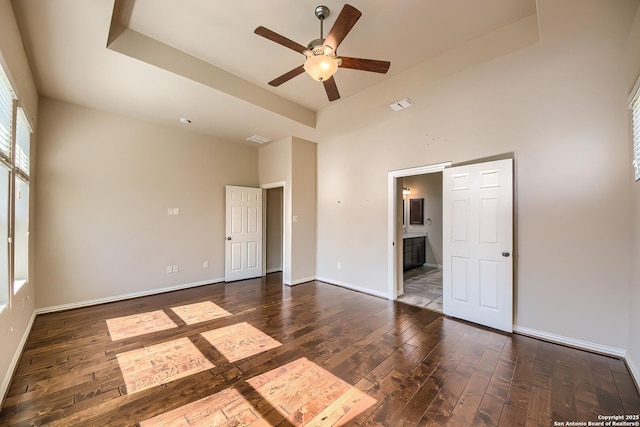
pixel 240 341
pixel 161 363
pixel 199 312
pixel 301 392
pixel 139 324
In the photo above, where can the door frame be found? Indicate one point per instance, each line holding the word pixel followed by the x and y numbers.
pixel 392 255
pixel 286 267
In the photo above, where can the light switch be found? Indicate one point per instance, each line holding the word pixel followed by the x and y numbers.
pixel 176 211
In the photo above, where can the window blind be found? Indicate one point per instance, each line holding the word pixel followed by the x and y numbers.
pixel 6 115
pixel 23 142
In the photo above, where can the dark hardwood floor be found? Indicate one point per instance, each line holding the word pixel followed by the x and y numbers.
pixel 314 354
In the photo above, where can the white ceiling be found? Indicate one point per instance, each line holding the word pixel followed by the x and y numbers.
pixel 66 41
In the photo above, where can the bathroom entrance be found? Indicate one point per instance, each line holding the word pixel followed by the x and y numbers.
pixel 422 241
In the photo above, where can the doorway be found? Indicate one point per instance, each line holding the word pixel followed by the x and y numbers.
pixel 477 270
pixel 274 230
pixel 396 214
pixel 422 241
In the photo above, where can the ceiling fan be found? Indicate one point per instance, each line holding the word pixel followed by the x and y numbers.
pixel 322 61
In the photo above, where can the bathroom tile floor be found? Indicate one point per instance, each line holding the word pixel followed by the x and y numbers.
pixel 423 288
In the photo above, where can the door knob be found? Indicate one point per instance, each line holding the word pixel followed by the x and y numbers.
pixel 228 238
pixel 506 254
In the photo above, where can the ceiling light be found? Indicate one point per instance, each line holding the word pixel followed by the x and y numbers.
pixel 321 62
pixel 185 121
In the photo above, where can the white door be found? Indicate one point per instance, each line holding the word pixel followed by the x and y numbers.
pixel 477 248
pixel 243 244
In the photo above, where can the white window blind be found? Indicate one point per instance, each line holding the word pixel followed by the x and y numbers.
pixel 6 115
pixel 23 142
pixel 635 114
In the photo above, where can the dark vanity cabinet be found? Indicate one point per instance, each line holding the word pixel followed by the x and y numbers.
pixel 414 251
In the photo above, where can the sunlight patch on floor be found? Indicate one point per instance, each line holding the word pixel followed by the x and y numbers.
pixel 158 364
pixel 226 408
pixel 306 394
pixel 199 312
pixel 301 392
pixel 239 341
pixel 139 324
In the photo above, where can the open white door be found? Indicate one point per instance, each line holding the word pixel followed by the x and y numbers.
pixel 243 244
pixel 477 239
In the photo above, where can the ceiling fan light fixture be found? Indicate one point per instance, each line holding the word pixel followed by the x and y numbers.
pixel 321 62
pixel 321 67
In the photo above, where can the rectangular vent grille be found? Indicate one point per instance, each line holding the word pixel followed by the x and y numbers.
pixel 259 139
pixel 401 105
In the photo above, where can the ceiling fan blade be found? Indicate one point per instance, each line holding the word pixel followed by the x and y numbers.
pixel 348 17
pixel 331 89
pixel 287 76
pixel 372 65
pixel 282 40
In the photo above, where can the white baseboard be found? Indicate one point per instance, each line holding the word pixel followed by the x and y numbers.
pixel 299 281
pixel 115 298
pixel 4 388
pixel 635 372
pixel 571 342
pixel 354 287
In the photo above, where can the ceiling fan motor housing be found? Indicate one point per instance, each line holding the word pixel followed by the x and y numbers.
pixel 322 12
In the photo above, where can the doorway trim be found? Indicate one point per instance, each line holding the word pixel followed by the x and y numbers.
pixel 286 268
pixel 392 265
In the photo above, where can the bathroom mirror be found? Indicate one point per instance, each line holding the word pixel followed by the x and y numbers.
pixel 416 211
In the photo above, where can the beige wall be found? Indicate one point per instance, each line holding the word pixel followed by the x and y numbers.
pixel 274 166
pixel 633 357
pixel 303 191
pixel 291 161
pixel 429 188
pixel 16 317
pixel 274 219
pixel 560 106
pixel 106 182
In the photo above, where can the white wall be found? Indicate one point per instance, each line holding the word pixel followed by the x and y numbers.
pixel 106 184
pixel 15 319
pixel 560 106
pixel 429 188
pixel 633 357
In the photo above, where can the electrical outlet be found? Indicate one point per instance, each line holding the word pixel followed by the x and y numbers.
pixel 169 269
pixel 176 268
pixel 205 264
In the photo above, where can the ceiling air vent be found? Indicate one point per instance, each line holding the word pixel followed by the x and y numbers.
pixel 259 139
pixel 401 105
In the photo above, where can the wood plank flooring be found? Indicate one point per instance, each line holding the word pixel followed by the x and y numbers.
pixel 258 353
